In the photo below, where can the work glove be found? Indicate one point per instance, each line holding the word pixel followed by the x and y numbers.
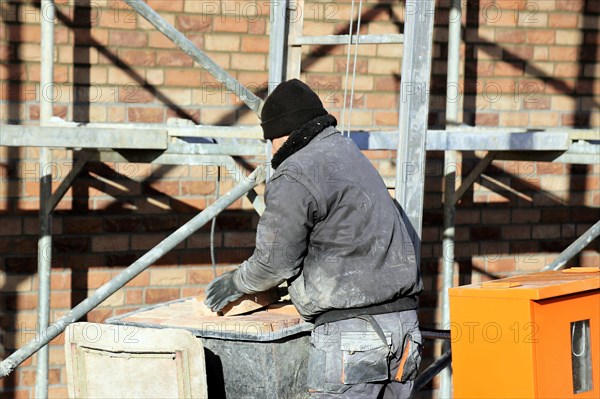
pixel 221 291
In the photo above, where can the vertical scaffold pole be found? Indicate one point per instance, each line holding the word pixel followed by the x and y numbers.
pixel 414 111
pixel 47 12
pixel 450 159
pixel 277 46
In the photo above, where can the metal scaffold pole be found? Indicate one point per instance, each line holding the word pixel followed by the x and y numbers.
pixel 44 254
pixel 414 111
pixel 450 159
pixel 277 64
pixel 102 293
pixel 576 247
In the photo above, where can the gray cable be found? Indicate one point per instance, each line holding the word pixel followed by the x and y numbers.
pixel 354 66
pixel 343 116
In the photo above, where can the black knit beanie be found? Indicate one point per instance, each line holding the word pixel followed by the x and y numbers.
pixel 289 106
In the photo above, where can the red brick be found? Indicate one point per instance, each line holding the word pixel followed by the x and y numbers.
pixel 568 230
pixel 174 59
pixel 386 118
pixel 501 264
pixel 60 281
pixel 162 186
pixel 519 53
pixel 563 54
pixel 10 226
pixel 123 224
pixel 18 245
pixel 257 27
pixel 158 40
pixel 183 77
pixel 21 301
pixel 198 41
pixel 516 232
pixel 196 23
pixel 61 299
pixel 562 20
pixel 138 57
pixel 486 119
pixel 194 187
pixel 495 216
pixel 110 243
pixel 135 94
pixel 20 33
pixel 119 16
pixel 190 114
pixel 134 296
pixel 143 114
pixel 546 231
pixel 531 262
pixel 128 39
pixel 510 35
pixel 230 24
pixel 538 102
pixel 168 277
pixel 166 5
pixel 144 242
pixel 570 5
pixel 84 225
pixel 58 110
pixel 590 259
pixel 484 233
pixel 98 315
pixel 142 279
pixel 158 295
pixel 511 4
pixel 202 275
pixel 255 44
pixel 27 377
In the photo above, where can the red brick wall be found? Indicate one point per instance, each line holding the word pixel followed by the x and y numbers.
pixel 524 63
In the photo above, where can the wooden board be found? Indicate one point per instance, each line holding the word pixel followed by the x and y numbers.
pixel 185 314
pixel 246 304
pixel 251 302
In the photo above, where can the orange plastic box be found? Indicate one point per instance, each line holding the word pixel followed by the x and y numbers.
pixel 530 336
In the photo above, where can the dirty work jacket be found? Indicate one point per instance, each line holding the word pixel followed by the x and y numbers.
pixel 332 230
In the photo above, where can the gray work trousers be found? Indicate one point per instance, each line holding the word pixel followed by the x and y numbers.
pixel 348 359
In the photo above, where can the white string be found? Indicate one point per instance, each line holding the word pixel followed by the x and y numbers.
pixel 354 67
pixel 347 67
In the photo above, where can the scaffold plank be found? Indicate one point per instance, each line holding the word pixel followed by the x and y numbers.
pixel 485 139
pixel 79 137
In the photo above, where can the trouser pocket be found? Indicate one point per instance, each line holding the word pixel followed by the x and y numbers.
pixel 411 358
pixel 364 357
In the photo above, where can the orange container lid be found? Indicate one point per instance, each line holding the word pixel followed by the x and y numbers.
pixel 539 285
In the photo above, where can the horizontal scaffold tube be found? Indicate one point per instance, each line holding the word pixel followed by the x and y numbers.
pixel 102 293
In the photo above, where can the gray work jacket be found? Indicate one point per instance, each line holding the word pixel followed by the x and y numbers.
pixel 332 230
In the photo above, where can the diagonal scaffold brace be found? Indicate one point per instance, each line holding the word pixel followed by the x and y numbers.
pixel 187 46
pixel 102 293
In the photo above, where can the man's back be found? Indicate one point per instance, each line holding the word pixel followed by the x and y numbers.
pixel 359 252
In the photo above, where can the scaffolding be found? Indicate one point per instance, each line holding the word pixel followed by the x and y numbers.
pixel 173 144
